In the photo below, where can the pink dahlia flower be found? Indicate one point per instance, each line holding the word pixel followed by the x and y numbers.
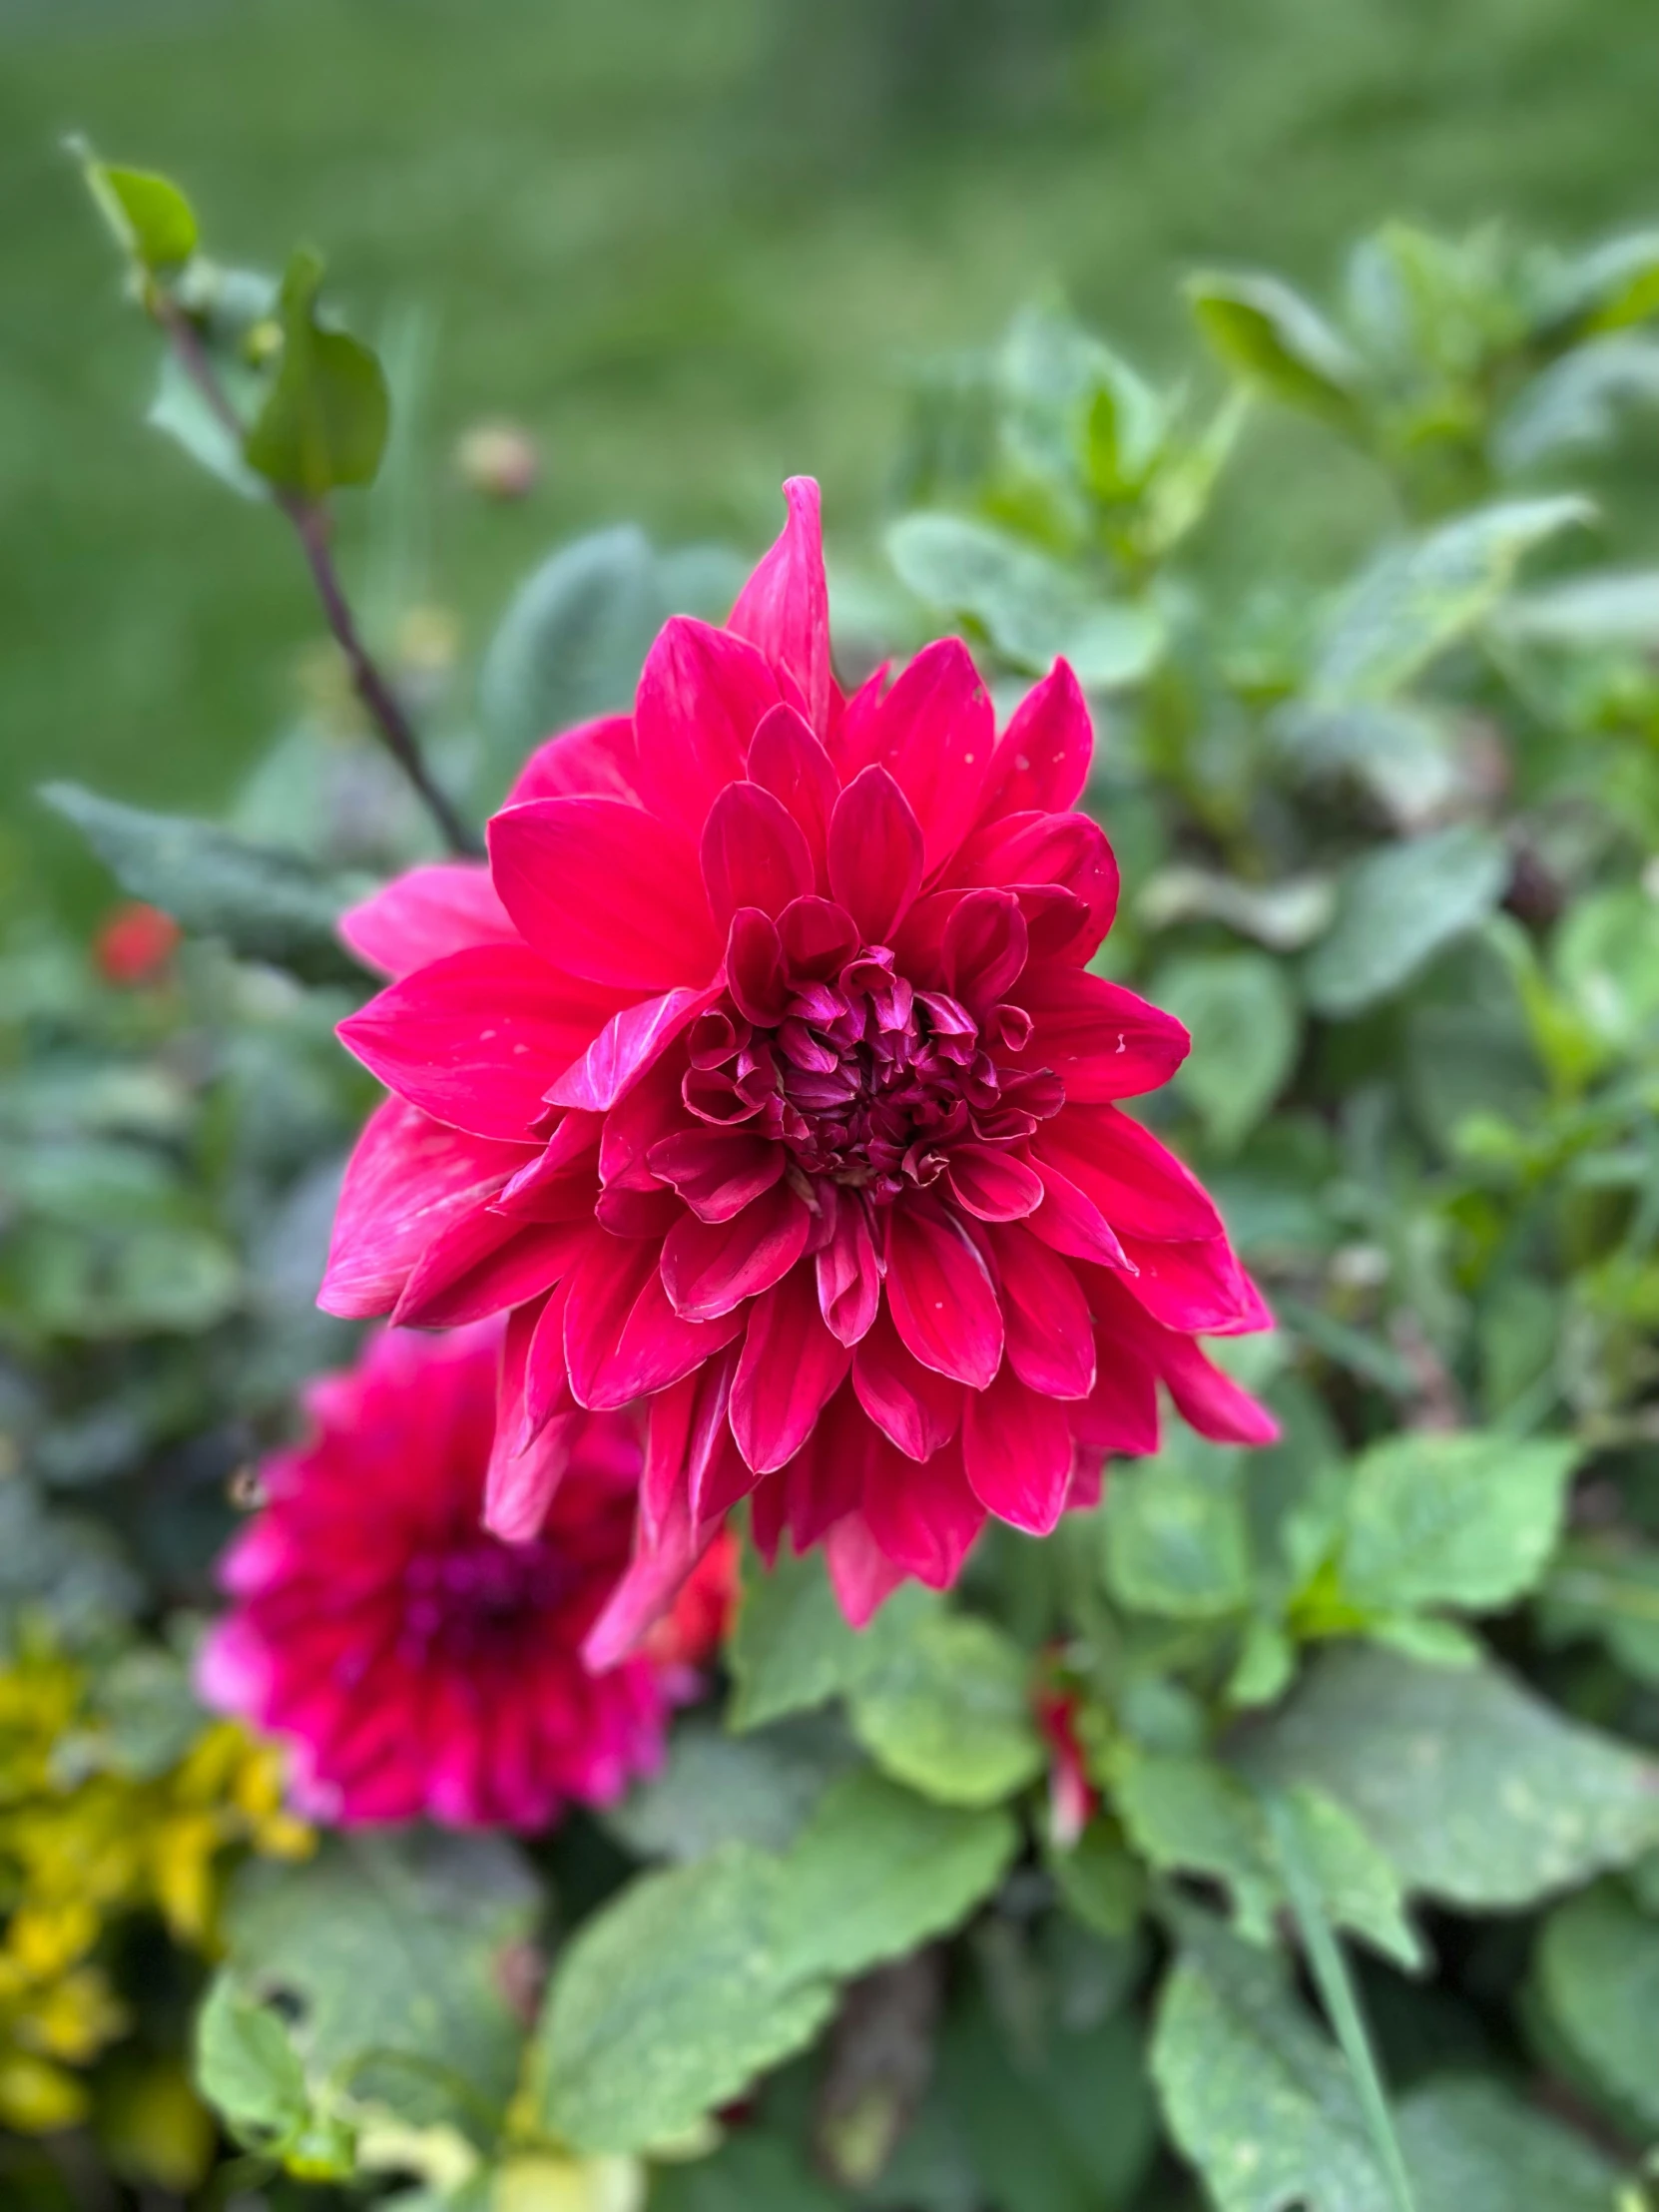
pixel 762 1074
pixel 414 1663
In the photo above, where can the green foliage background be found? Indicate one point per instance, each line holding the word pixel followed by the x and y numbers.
pixel 688 245
pixel 1369 1719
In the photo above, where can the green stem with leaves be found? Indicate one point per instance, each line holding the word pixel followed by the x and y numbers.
pixel 311 522
pixel 1340 1999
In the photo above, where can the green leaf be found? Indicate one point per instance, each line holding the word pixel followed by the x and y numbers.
pixel 1616 609
pixel 574 638
pixel 1261 2102
pixel 1610 287
pixel 65 1571
pixel 246 2068
pixel 148 215
pixel 877 1872
pixel 1396 908
pixel 1466 1519
pixel 179 411
pixel 669 2000
pixel 1577 403
pixel 392 1948
pixel 688 1984
pixel 792 1648
pixel 1605 957
pixel 1275 339
pixel 947 1709
pixel 1472 2147
pixel 1099 1881
pixel 267 904
pixel 324 420
pixel 1357 1887
pixel 1608 1588
pixel 1124 425
pixel 1246 1027
pixel 1417 599
pixel 1405 756
pixel 1064 2128
pixel 1475 1791
pixel 1283 916
pixel 750 2171
pixel 1598 1973
pixel 1032 609
pixel 1194 1816
pixel 1254 2093
pixel 1177 1540
pixel 719 1789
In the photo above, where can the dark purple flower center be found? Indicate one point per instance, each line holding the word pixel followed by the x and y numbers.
pixel 475 1592
pixel 868 1081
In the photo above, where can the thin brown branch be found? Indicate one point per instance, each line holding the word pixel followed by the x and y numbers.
pixel 310 523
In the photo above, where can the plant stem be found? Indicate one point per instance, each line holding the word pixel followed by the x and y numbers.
pixel 310 523
pixel 1340 2000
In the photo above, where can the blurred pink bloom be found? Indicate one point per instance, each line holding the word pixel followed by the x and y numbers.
pixel 1073 1800
pixel 136 944
pixel 763 1075
pixel 413 1663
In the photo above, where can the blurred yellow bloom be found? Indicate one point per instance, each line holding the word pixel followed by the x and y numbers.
pixel 540 2182
pixel 82 1841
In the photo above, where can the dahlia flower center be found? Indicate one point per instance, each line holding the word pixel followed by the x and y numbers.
pixel 868 1081
pixel 476 1590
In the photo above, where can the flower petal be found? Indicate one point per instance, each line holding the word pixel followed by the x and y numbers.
pixel 919 1410
pixel 474 1270
pixel 607 889
pixel 1197 1288
pixel 717 1171
pixel 420 915
pixel 1120 1415
pixel 655 1576
pixel 1050 1329
pixel 925 1519
pixel 861 1572
pixel 627 1045
pixel 475 1038
pixel 783 609
pixel 789 761
pixel 623 1340
pixel 1016 1448
pixel 1070 1221
pixel 876 851
pixel 1101 1040
pixel 992 1184
pixel 1042 762
pixel 848 1273
pixel 710 1267
pixel 825 1478
pixel 754 853
pixel 523 1473
pixel 409 1177
pixel 1065 851
pixel 1209 1400
pixel 791 1365
pixel 940 1295
pixel 702 692
pixel 594 759
pixel 982 954
pixel 937 733
pixel 1139 1185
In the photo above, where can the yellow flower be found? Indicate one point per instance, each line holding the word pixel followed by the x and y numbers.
pixel 82 1841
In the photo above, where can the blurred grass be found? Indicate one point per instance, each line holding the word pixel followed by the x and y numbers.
pixel 692 244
